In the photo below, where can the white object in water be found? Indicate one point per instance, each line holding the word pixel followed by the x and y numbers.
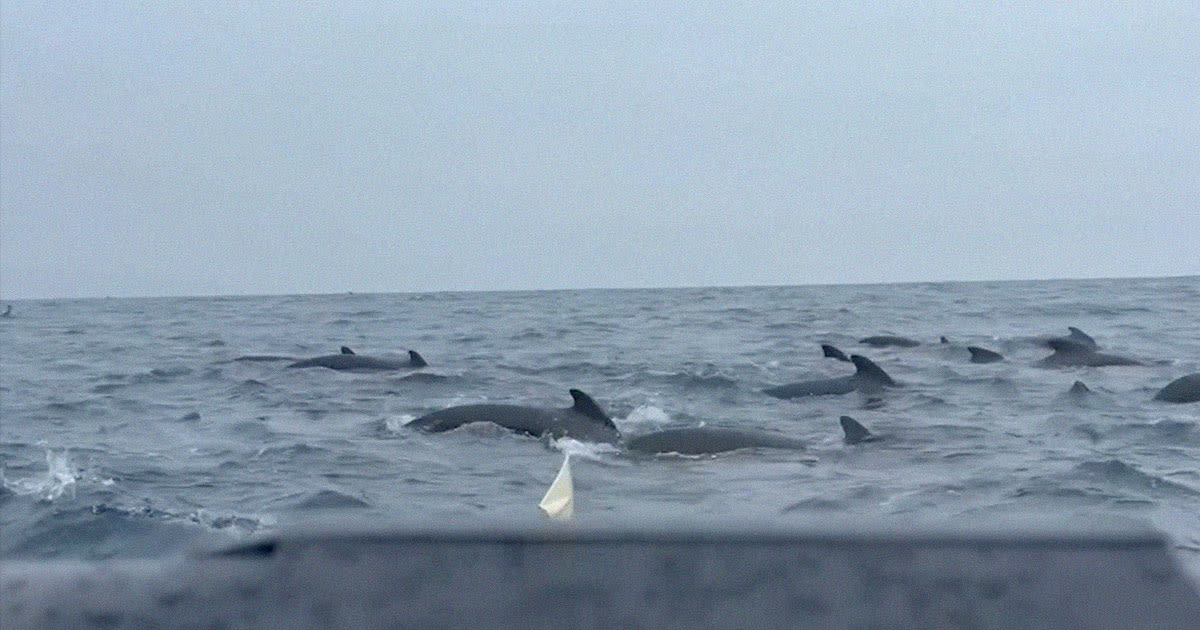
pixel 559 501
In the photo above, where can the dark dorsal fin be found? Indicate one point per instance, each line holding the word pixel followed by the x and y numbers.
pixel 415 359
pixel 983 355
pixel 1080 337
pixel 944 339
pixel 866 368
pixel 853 431
pixel 1080 388
pixel 588 407
pixel 834 353
pixel 1067 346
pixel 346 350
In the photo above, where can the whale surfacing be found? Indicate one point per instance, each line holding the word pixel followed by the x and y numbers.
pixel 867 377
pixel 983 355
pixel 832 352
pixel 881 341
pixel 707 441
pixel 348 360
pixel 853 432
pixel 1071 354
pixel 585 420
pixel 1185 389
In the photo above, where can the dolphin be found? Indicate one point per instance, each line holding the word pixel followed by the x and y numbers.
pixel 348 360
pixel 855 433
pixel 707 440
pixel 833 353
pixel 880 341
pixel 584 420
pixel 1069 353
pixel 867 377
pixel 1185 389
pixel 983 355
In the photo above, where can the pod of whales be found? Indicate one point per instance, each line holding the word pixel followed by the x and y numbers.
pixel 708 440
pixel 348 360
pixel 1185 389
pixel 1070 353
pixel 584 420
pixel 983 355
pixel 882 341
pixel 867 377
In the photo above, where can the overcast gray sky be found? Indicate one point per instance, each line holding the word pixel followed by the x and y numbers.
pixel 201 148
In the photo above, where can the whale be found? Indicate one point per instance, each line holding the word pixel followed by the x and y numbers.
pixel 867 377
pixel 1185 389
pixel 264 357
pixel 983 355
pixel 1072 354
pixel 854 432
pixel 707 441
pixel 584 420
pixel 881 341
pixel 7 311
pixel 348 360
pixel 1079 388
pixel 1077 336
pixel 833 353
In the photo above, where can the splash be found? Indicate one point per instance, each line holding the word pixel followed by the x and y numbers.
pixel 646 415
pixel 395 424
pixel 60 478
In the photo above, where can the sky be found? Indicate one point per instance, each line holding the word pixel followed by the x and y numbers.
pixel 183 148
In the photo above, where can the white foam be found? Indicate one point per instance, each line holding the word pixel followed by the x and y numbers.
pixel 60 477
pixel 396 423
pixel 646 415
pixel 585 450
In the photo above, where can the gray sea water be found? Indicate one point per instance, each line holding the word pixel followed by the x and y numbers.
pixel 127 429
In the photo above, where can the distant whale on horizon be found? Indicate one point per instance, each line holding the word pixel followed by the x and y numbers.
pixel 867 377
pixel 1185 389
pixel 585 420
pixel 1072 354
pixel 708 441
pixel 882 341
pixel 348 360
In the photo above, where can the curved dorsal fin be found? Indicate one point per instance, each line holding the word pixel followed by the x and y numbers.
pixel 416 359
pixel 833 353
pixel 588 407
pixel 1080 336
pixel 866 368
pixel 346 350
pixel 1080 388
pixel 853 431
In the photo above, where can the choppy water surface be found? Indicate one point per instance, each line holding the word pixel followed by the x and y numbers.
pixel 127 428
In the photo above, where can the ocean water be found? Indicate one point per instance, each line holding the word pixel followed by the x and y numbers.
pixel 127 429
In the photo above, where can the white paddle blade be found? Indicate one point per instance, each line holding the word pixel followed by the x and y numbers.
pixel 559 501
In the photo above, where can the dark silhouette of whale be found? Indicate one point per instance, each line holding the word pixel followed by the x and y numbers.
pixel 584 420
pixel 7 311
pixel 348 360
pixel 854 432
pixel 1185 389
pixel 1070 354
pixel 1079 389
pixel 833 353
pixel 707 440
pixel 881 341
pixel 276 357
pixel 867 377
pixel 983 355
